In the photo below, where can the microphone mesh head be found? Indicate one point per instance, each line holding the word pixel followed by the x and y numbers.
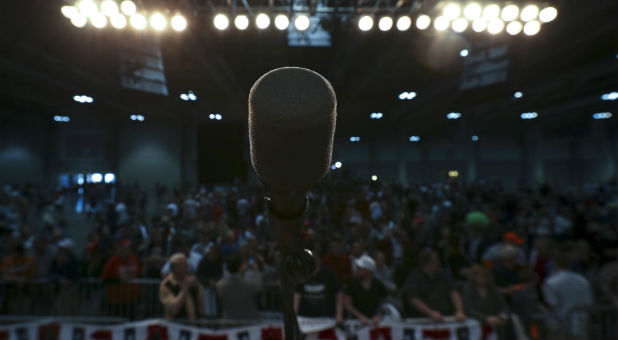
pixel 292 115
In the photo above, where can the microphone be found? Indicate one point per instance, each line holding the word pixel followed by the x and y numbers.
pixel 292 114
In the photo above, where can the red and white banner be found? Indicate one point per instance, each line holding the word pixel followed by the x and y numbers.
pixel 318 328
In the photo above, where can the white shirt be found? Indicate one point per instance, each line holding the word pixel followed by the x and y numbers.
pixel 567 290
pixel 193 260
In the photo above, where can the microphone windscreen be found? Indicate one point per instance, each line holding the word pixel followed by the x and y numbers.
pixel 292 115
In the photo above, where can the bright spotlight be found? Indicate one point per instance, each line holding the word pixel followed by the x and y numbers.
pixel 472 11
pixel 453 173
pixel 138 21
pixel 491 12
pixel 404 23
pixel 514 27
pixel 158 22
pixel 128 7
pixel 98 20
pixel 87 8
pixel 191 96
pixel 452 11
pixel 464 53
pixel 385 24
pixel 96 178
pixel 184 96
pixel 495 26
pixel 282 22
pixel 548 14
pixel 414 138
pixel 241 22
pixel 459 25
pixel 69 11
pixel 529 13
pixel 365 23
pixel 118 20
pixel 218 116
pixel 221 22
pixel 354 139
pixel 109 178
pixel 602 115
pixel 518 95
pixel 475 138
pixel 302 22
pixel 532 27
pixel 211 116
pixel 109 7
pixel 441 23
pixel 262 21
pixel 338 165
pixel 423 21
pixel 510 12
pixel 179 23
pixel 374 178
pixel 610 96
pixel 453 115
pixel 479 25
pixel 407 95
pixel 79 20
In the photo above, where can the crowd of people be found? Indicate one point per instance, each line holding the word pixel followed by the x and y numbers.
pixel 437 251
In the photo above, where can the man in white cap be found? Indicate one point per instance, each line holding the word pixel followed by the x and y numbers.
pixel 365 294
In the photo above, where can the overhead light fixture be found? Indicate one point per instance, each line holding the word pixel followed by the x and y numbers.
pixel 441 23
pixel 158 21
pixel 109 7
pixel 84 99
pixel 404 23
pixel 79 20
pixel 529 115
pixel 221 22
pixel 179 23
pixel 472 11
pixel 479 25
pixel 602 115
pixel 491 12
pixel 510 12
pixel 518 94
pixel 374 178
pixel 452 11
pixel 109 178
pixel 139 118
pixel 376 115
pixel 128 7
pixel 407 95
pixel 365 23
pixel 118 21
pixel 385 24
pixel 98 20
pixel 262 21
pixel 241 22
pixel 464 53
pixel 475 138
pixel 96 178
pixel 453 115
pixel 514 27
pixel 495 26
pixel 529 13
pixel 423 22
pixel 138 21
pixel 548 14
pixel 282 22
pixel 87 8
pixel 414 138
pixel 69 11
pixel 354 139
pixel 62 119
pixel 338 165
pixel 189 96
pixel 459 25
pixel 453 174
pixel 532 27
pixel 610 96
pixel 302 22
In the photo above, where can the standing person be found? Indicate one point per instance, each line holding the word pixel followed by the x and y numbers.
pixel 320 295
pixel 430 292
pixel 16 271
pixel 484 302
pixel 383 273
pixel 237 292
pixel 180 293
pixel 122 296
pixel 565 291
pixel 365 294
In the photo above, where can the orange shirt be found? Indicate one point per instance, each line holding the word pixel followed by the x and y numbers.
pixel 18 267
pixel 123 270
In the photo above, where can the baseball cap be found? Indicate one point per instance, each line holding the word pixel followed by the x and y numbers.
pixel 512 237
pixel 66 243
pixel 365 262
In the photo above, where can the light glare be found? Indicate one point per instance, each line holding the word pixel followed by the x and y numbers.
pixel 491 12
pixel 302 22
pixel 365 23
pixel 510 12
pixel 138 21
pixel 464 53
pixel 262 21
pixel 422 22
pixel 158 22
pixel 109 7
pixel 179 23
pixel 441 23
pixel 385 24
pixel 404 23
pixel 472 11
pixel 87 8
pixel 532 27
pixel 529 12
pixel 98 20
pixel 241 22
pixel 514 27
pixel 79 20
pixel 282 22
pixel 548 14
pixel 495 26
pixel 221 22
pixel 69 11
pixel 479 25
pixel 374 178
pixel 128 7
pixel 118 21
pixel 460 25
pixel 452 11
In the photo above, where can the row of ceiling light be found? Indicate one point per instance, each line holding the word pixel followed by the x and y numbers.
pixel 119 16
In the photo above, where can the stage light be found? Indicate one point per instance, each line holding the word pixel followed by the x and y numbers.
pixel 491 12
pixel 354 139
pixel 128 7
pixel 610 96
pixel 510 12
pixel 96 178
pixel 453 173
pixel 423 21
pixel 338 165
pixel 262 21
pixel 479 25
pixel 414 138
pixel 218 116
pixel 529 13
pixel 475 138
pixel 453 115
pixel 385 24
pixel 62 119
pixel 464 53
pixel 548 14
pixel 118 20
pixel 282 22
pixel 221 22
pixel 495 26
pixel 179 23
pixel 374 178
pixel 459 25
pixel 98 20
pixel 241 22
pixel 441 23
pixel 532 27
pixel 376 115
pixel 158 21
pixel 472 11
pixel 302 22
pixel 365 23
pixel 109 178
pixel 83 99
pixel 407 95
pixel 79 20
pixel 514 27
pixel 109 7
pixel 602 115
pixel 529 115
pixel 192 96
pixel 69 11
pixel 138 21
pixel 87 8
pixel 211 116
pixel 451 11
pixel 518 95
pixel 404 23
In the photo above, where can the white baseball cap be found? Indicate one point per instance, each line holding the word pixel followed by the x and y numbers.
pixel 365 262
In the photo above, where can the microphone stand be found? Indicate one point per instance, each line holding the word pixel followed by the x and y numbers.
pixel 286 210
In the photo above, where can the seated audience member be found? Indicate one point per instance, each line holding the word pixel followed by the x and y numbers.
pixel 237 291
pixel 210 268
pixel 320 295
pixel 18 267
pixel 43 255
pixel 430 292
pixel 365 294
pixel 338 260
pixel 119 270
pixel 484 302
pixel 180 293
pixel 193 258
pixel 564 291
pixel 383 273
pixel 65 271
